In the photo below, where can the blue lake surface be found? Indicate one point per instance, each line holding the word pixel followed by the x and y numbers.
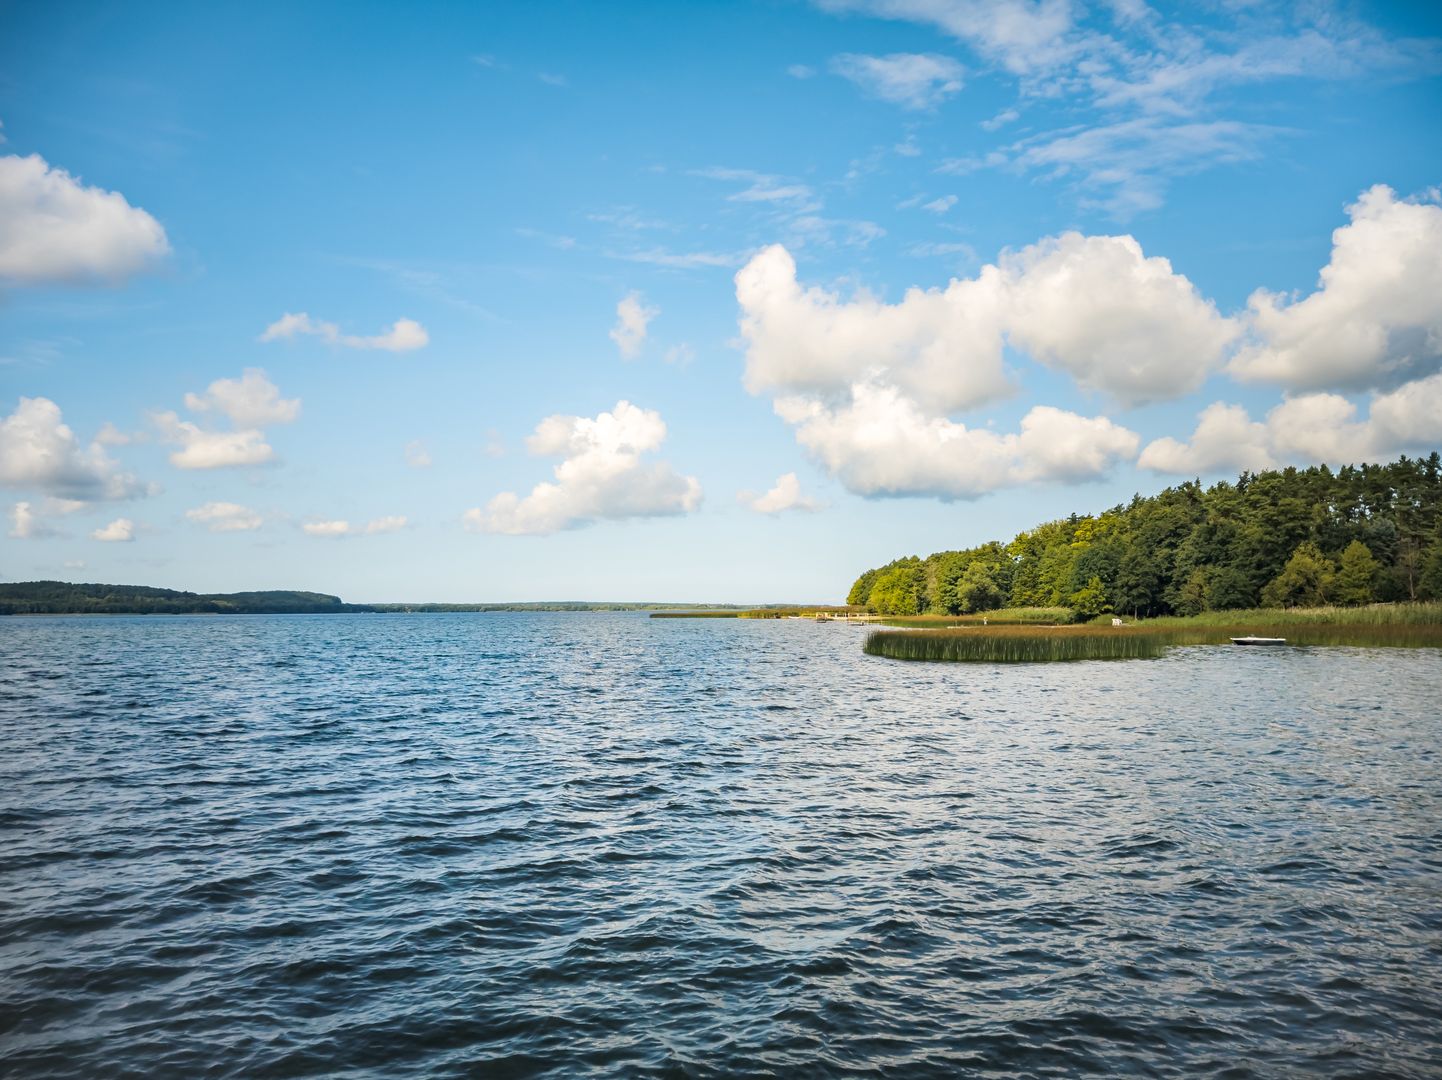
pixel 600 844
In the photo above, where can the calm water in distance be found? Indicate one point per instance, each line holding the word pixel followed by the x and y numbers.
pixel 603 845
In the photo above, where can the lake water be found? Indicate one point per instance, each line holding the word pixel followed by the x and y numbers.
pixel 599 844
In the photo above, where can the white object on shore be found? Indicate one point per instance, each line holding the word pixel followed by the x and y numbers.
pixel 1259 641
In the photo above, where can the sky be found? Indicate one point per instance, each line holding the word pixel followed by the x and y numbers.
pixel 702 302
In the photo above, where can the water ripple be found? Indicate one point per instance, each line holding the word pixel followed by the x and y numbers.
pixel 597 845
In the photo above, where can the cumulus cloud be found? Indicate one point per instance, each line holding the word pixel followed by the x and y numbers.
pixel 119 531
pixel 1305 428
pixel 632 318
pixel 403 335
pixel 25 524
pixel 944 348
pixel 251 401
pixel 31 522
pixel 39 452
pixel 53 228
pixel 248 402
pixel 338 529
pixel 222 517
pixel 785 495
pixel 1113 319
pixel 882 444
pixel 1226 440
pixel 602 476
pixel 1375 319
pixel 1095 307
pixel 203 449
pixel 911 80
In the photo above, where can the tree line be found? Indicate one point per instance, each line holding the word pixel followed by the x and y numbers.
pixel 66 598
pixel 1280 538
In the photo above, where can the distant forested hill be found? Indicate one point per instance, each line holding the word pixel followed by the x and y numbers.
pixel 63 598
pixel 1294 537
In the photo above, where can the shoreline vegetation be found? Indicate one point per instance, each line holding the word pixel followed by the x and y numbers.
pixel 67 598
pixel 1276 539
pixel 1409 625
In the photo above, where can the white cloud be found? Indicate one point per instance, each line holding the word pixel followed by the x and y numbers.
pixel 632 318
pixel 759 187
pixel 1024 36
pixel 55 229
pixel 882 443
pixel 1226 440
pixel 110 435
pixel 1113 319
pixel 1094 307
pixel 327 528
pixel 337 529
pixel 941 205
pixel 1375 319
pixel 1306 429
pixel 393 523
pixel 1318 427
pixel 784 495
pixel 911 80
pixel 1000 120
pixel 225 517
pixel 403 335
pixel 1152 95
pixel 119 531
pixel 682 260
pixel 800 71
pixel 601 476
pixel 1124 167
pixel 1409 417
pixel 679 354
pixel 39 452
pixel 29 522
pixel 201 449
pixel 943 348
pixel 417 456
pixel 251 401
pixel 25 524
pixel 248 402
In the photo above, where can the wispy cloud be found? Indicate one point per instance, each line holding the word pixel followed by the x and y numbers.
pixel 1148 92
pixel 911 80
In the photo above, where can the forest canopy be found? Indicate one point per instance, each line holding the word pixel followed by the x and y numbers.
pixel 1283 538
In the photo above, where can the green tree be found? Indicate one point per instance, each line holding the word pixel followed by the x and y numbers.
pixel 1228 587
pixel 978 589
pixel 898 591
pixel 1305 581
pixel 1192 596
pixel 1089 601
pixel 1356 575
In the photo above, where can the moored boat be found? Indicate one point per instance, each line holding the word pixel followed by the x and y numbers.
pixel 1259 641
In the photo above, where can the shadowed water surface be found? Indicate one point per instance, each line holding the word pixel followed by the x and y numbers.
pixel 598 844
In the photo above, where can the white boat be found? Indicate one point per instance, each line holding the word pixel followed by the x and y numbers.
pixel 1259 641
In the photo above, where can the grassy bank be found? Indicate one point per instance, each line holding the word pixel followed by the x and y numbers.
pixel 762 613
pixel 1390 626
pixel 1018 616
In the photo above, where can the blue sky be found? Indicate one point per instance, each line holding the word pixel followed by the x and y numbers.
pixel 689 302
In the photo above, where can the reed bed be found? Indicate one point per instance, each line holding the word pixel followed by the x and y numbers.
pixel 1016 644
pixel 1423 613
pixel 1023 616
pixel 1022 644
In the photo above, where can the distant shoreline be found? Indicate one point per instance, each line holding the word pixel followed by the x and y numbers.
pixel 72 598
